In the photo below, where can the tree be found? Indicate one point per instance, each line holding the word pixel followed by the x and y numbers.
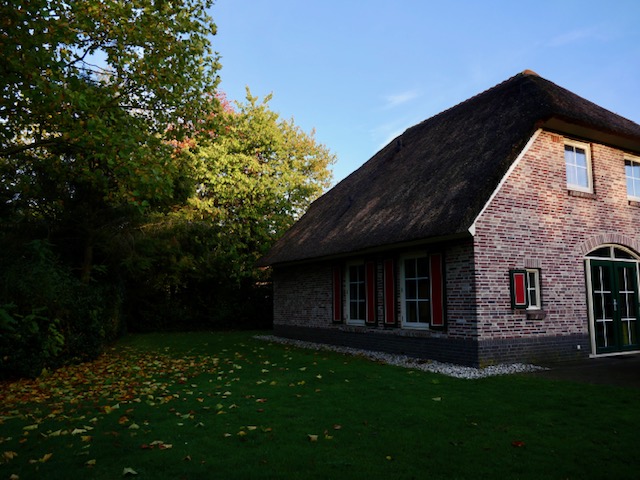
pixel 93 91
pixel 255 174
pixel 93 96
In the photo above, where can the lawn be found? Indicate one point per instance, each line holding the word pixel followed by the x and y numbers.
pixel 227 405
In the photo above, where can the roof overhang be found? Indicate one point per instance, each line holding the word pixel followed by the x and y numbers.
pixel 391 248
pixel 589 132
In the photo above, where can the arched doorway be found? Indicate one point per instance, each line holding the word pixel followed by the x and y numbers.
pixel 612 284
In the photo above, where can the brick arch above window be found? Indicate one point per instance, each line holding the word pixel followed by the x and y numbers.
pixel 608 239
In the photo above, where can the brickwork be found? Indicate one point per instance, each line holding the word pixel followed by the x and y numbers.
pixel 533 221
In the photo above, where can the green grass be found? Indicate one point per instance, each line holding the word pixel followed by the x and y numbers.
pixel 225 406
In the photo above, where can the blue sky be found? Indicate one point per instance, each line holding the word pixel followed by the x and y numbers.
pixel 360 72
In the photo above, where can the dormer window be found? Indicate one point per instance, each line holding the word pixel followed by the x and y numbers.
pixel 577 157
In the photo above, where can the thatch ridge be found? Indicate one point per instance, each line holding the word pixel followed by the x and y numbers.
pixel 433 180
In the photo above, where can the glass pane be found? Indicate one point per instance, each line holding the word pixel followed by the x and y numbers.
pixel 412 290
pixel 410 268
pixel 604 334
pixel 412 312
pixel 603 252
pixel 423 289
pixel 353 273
pixel 423 267
pixel 636 187
pixel 361 289
pixel 572 177
pixel 424 312
pixel 353 291
pixel 353 311
pixel 583 178
pixel 581 158
pixel 569 155
pixel 621 253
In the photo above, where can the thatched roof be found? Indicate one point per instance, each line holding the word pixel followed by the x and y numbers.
pixel 433 180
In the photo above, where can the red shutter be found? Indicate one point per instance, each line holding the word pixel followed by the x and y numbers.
pixel 337 294
pixel 389 293
pixel 370 286
pixel 437 297
pixel 518 280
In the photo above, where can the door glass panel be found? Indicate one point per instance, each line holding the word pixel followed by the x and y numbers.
pixel 627 296
pixel 603 306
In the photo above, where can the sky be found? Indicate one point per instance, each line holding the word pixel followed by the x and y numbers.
pixel 360 72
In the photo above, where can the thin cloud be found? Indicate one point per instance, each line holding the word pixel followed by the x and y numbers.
pixel 574 36
pixel 395 100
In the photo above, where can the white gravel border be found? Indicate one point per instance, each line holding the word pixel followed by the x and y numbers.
pixel 449 369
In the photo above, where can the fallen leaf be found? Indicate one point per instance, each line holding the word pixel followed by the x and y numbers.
pixel 90 463
pixel 9 455
pixel 46 457
pixel 436 399
pixel 128 471
pixel 312 438
pixel 517 443
pixel 30 427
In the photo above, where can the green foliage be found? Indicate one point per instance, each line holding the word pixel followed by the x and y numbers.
pixel 151 189
pixel 93 95
pixel 47 316
pixel 255 174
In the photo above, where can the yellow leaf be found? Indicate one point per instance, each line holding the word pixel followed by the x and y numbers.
pixel 46 457
pixel 31 427
pixel 77 431
pixel 128 471
pixel 312 438
pixel 9 455
pixel 86 438
pixel 251 427
pixel 90 463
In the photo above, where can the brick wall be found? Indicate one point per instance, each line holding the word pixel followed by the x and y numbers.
pixel 302 295
pixel 534 221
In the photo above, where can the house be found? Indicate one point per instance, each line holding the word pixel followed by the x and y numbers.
pixel 504 229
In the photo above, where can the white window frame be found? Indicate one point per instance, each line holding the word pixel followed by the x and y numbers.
pixel 403 294
pixel 587 149
pixel 533 286
pixel 636 161
pixel 356 321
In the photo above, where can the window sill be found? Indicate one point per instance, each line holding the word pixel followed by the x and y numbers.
pixel 410 326
pixel 536 315
pixel 578 193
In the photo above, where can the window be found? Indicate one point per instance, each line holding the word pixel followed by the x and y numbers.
pixel 632 171
pixel 578 164
pixel 422 292
pixel 356 294
pixel 525 289
pixel 533 289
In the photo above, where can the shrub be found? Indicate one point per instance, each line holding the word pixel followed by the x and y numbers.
pixel 47 316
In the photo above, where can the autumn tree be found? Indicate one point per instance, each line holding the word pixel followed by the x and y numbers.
pixel 93 91
pixel 254 175
pixel 94 95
